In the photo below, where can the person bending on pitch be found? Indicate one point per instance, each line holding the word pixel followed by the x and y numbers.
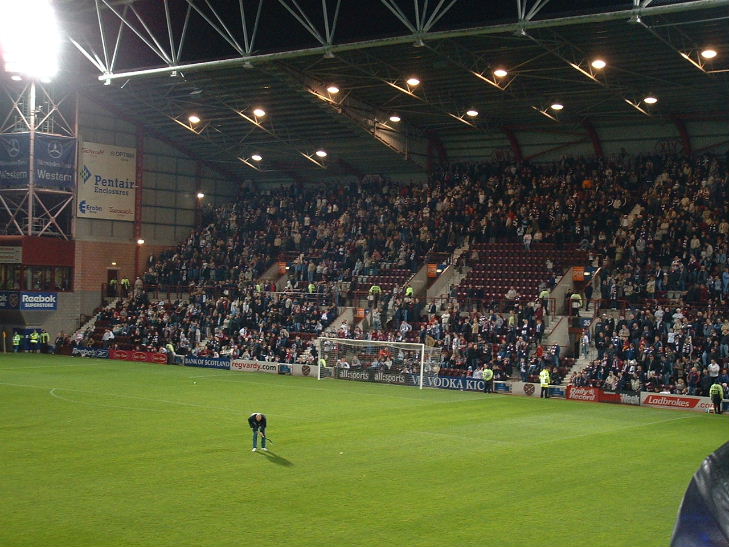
pixel 257 421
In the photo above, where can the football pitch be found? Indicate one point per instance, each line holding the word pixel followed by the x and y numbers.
pixel 114 453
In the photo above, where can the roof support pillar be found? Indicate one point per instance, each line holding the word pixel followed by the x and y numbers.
pixel 514 142
pixel 683 133
pixel 594 137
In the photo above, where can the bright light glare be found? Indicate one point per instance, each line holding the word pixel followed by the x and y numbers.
pixel 472 113
pixel 412 82
pixel 194 118
pixel 500 73
pixel 259 113
pixel 708 53
pixel 256 157
pixel 321 153
pixel 333 89
pixel 650 99
pixel 200 195
pixel 16 77
pixel 598 64
pixel 22 49
pixel 394 118
pixel 557 106
pixel 140 242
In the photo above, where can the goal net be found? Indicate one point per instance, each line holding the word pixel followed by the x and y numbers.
pixel 376 361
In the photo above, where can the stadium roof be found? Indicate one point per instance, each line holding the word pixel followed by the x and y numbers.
pixel 173 59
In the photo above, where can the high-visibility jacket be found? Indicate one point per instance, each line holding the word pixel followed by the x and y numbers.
pixel 16 340
pixel 488 374
pixel 544 377
pixel 716 389
pixel 34 338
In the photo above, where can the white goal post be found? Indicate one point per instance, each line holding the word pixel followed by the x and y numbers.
pixel 376 361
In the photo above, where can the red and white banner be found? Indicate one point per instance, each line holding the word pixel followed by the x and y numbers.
pixel 597 395
pixel 143 356
pixel 244 365
pixel 583 393
pixel 681 402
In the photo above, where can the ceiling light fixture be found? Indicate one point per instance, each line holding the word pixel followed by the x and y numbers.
pixel 556 106
pixel 598 64
pixel 708 53
pixel 471 112
pixel 256 157
pixel 413 82
pixel 395 118
pixel 500 73
pixel 321 153
pixel 333 89
pixel 259 113
pixel 193 118
pixel 650 99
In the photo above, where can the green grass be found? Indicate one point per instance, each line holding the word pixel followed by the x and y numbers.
pixel 112 453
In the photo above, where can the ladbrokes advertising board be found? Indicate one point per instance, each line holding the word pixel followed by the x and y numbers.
pixel 681 402
pixel 106 182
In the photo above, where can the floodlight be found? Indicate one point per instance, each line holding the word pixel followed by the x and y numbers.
pixel 650 99
pixel 321 153
pixel 556 106
pixel 256 157
pixel 193 118
pixel 200 195
pixel 500 73
pixel 333 89
pixel 259 113
pixel 140 242
pixel 395 118
pixel 708 53
pixel 23 52
pixel 598 64
pixel 412 82
pixel 471 112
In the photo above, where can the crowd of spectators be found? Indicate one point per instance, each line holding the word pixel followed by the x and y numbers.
pixel 252 323
pixel 679 241
pixel 670 350
pixel 333 237
pixel 668 270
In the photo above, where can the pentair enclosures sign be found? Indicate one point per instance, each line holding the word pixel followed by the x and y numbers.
pixel 106 182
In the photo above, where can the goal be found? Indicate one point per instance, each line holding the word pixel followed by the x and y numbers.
pixel 377 361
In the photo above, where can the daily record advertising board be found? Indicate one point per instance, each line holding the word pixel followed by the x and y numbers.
pixel 106 182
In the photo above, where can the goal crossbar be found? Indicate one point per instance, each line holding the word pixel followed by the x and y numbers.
pixel 326 345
